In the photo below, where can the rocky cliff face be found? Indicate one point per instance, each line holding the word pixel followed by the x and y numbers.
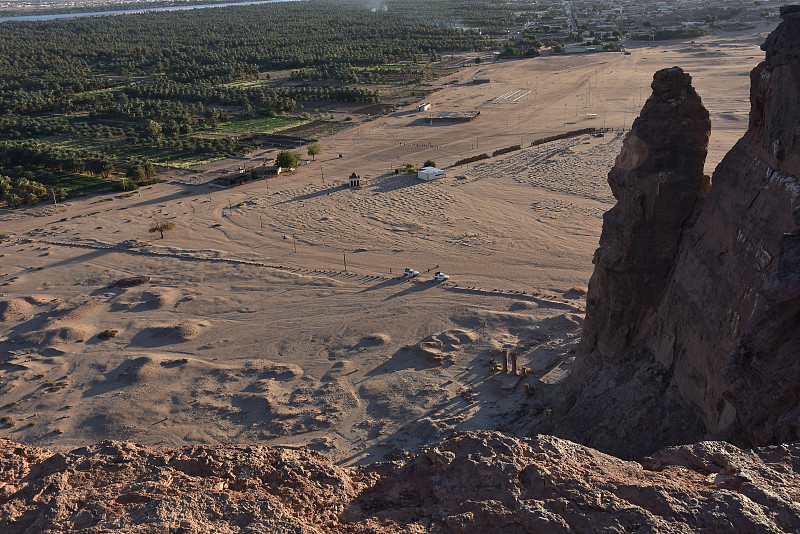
pixel 729 326
pixel 659 185
pixel 693 311
pixel 472 483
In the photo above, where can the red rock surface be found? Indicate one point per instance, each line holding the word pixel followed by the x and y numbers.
pixel 474 482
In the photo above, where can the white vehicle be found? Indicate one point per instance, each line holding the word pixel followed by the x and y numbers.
pixel 440 276
pixel 408 271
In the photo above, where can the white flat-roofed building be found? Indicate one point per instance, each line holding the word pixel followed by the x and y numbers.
pixel 430 173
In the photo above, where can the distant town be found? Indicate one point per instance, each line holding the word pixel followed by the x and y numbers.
pixel 547 19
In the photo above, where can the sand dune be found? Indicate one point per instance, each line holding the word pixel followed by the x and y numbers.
pixel 20 307
pixel 283 318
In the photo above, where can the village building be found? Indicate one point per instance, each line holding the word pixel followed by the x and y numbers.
pixel 430 173
pixel 267 170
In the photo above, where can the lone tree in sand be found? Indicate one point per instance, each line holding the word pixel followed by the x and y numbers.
pixel 314 149
pixel 287 159
pixel 161 226
pixel 429 163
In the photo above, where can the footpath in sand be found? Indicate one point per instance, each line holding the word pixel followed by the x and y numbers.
pixel 249 327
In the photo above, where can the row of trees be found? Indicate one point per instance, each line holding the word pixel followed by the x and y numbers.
pixel 18 191
pixel 28 153
pixel 16 126
pixel 259 96
pixel 662 35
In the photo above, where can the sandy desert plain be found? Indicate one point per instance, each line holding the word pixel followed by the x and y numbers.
pixel 251 331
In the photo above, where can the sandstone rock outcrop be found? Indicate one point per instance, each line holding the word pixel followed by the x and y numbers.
pixel 693 311
pixel 659 185
pixel 729 326
pixel 474 482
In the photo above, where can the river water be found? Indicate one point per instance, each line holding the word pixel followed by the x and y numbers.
pixel 143 10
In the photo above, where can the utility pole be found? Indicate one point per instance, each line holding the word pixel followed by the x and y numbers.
pixel 261 218
pixel 322 173
pixel 344 258
pixel 294 242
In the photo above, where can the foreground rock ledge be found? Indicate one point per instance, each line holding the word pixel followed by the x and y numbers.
pixel 473 482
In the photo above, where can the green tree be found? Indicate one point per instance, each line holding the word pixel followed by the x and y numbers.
pixel 153 128
pixel 161 227
pixel 13 199
pixel 135 172
pixel 287 159
pixel 429 163
pixel 148 169
pixel 105 167
pixel 314 149
pixel 478 61
pixel 510 51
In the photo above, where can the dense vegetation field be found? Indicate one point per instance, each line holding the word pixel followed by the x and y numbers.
pixel 101 96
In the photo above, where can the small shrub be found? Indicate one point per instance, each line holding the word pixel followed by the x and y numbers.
pixel 107 334
pixel 161 227
pixel 11 404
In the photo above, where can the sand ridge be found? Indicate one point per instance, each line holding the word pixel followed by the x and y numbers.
pixel 282 317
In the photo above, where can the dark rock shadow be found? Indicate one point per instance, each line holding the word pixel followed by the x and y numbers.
pixel 415 287
pixel 126 374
